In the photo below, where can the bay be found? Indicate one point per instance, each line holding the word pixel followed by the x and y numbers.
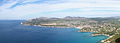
pixel 11 31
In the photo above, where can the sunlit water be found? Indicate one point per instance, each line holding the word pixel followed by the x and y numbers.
pixel 11 31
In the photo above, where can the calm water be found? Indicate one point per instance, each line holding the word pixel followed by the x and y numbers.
pixel 11 31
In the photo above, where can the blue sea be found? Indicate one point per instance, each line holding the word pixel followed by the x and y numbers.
pixel 11 31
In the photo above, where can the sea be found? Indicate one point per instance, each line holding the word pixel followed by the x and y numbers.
pixel 11 31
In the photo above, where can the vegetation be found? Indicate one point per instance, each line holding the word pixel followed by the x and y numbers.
pixel 109 26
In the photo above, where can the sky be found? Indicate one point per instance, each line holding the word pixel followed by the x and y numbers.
pixel 28 9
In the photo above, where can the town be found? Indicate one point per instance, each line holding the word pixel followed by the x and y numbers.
pixel 108 26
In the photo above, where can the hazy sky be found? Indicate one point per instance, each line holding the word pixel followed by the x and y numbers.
pixel 26 9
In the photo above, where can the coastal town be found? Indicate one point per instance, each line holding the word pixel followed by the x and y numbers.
pixel 109 26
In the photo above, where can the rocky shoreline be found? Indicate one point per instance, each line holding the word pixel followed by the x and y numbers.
pixel 95 34
pixel 107 40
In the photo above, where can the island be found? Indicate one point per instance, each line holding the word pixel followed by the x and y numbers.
pixel 108 26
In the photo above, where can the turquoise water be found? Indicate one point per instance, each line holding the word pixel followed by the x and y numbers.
pixel 11 31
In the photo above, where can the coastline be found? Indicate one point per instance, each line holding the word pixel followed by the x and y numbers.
pixel 45 26
pixel 69 34
pixel 97 34
pixel 107 40
pixel 102 41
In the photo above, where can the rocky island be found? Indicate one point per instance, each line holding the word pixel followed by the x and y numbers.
pixel 108 26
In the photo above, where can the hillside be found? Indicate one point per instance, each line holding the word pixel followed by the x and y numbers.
pixel 109 26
